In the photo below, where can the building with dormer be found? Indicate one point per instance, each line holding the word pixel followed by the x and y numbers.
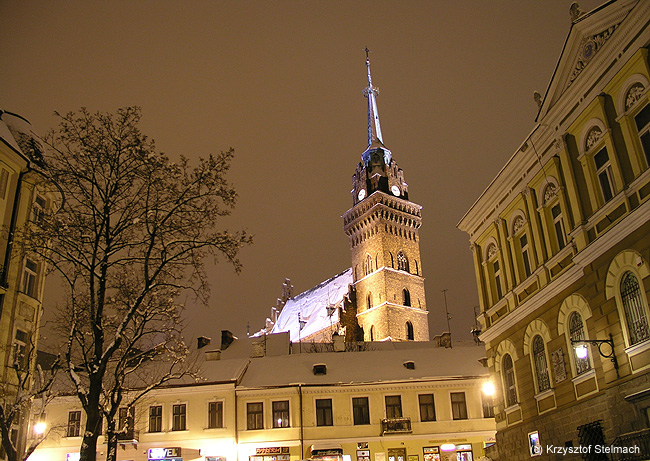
pixel 561 249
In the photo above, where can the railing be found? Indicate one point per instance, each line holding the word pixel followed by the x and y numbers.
pixel 631 446
pixel 396 426
pixel 129 436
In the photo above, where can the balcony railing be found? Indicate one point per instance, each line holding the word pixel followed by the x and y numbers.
pixel 396 426
pixel 130 436
pixel 637 445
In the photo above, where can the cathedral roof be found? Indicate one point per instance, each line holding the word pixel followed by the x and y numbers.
pixel 311 307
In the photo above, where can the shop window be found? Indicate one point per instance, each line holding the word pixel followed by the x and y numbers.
pixel 427 407
pixel 635 311
pixel 540 364
pixel 458 405
pixel 406 297
pixel 254 416
pixel 577 333
pixel 155 418
pixel 393 406
pixel 74 423
pixel 402 262
pixel 280 413
pixel 215 415
pixel 604 174
pixel 410 335
pixel 360 411
pixel 510 387
pixel 179 417
pixel 324 415
pixel 642 121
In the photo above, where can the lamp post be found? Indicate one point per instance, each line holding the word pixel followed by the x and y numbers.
pixel 582 350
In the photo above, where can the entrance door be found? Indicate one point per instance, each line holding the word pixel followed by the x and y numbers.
pixel 397 454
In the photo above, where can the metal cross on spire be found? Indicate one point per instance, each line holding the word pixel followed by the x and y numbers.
pixel 370 92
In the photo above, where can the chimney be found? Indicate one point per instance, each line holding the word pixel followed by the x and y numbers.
pixel 227 338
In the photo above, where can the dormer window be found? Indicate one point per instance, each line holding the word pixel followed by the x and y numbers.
pixel 409 365
pixel 320 369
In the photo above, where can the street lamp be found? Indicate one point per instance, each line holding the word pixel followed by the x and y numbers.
pixel 39 428
pixel 580 346
pixel 488 388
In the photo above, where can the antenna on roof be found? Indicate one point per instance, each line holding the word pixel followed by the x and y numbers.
pixel 444 292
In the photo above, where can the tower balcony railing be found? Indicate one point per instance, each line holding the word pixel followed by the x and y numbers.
pixel 396 426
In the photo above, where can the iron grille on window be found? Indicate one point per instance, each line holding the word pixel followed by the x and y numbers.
pixel 541 369
pixel 577 333
pixel 591 434
pixel 637 322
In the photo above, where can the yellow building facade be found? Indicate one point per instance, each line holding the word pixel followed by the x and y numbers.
pixel 22 200
pixel 561 249
pixel 385 402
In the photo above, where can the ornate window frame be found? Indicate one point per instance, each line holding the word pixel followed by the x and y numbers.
pixel 495 277
pixel 628 261
pixel 538 328
pixel 549 197
pixel 518 230
pixel 506 347
pixel 575 303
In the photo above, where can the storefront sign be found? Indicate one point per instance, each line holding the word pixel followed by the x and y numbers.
pixel 431 453
pixel 163 453
pixel 363 455
pixel 272 451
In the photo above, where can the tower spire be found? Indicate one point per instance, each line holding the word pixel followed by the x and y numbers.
pixel 370 92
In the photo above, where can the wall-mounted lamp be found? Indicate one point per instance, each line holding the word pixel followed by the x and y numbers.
pixel 582 351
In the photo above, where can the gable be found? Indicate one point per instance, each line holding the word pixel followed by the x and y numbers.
pixel 587 51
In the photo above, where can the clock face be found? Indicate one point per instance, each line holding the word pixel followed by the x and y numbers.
pixel 362 194
pixel 395 190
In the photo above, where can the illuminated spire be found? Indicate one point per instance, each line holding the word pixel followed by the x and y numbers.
pixel 375 139
pixel 370 92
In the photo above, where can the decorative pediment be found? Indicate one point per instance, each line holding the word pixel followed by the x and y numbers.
pixel 587 49
pixel 583 54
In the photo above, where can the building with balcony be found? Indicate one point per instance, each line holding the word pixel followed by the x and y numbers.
pixel 23 199
pixel 391 401
pixel 561 248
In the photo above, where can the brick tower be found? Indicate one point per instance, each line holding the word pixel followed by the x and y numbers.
pixel 383 230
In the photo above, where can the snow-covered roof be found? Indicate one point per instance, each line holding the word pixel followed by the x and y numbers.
pixel 381 362
pixel 18 133
pixel 311 305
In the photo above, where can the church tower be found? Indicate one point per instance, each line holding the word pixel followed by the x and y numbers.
pixel 383 230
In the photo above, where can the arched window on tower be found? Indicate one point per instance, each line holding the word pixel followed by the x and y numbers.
pixel 369 301
pixel 409 331
pixel 372 333
pixel 367 265
pixel 406 297
pixel 402 262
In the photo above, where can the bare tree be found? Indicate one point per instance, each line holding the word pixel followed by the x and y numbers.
pixel 17 397
pixel 130 237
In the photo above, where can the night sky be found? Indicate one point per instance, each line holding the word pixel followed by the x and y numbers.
pixel 281 82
